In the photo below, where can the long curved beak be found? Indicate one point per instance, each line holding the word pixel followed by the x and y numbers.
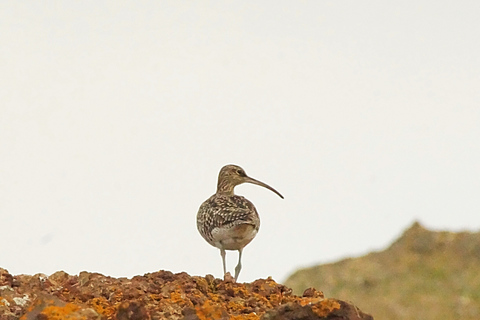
pixel 260 183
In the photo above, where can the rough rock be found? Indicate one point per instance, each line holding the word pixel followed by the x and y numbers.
pixel 160 295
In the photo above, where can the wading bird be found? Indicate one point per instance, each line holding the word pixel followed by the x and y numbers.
pixel 228 221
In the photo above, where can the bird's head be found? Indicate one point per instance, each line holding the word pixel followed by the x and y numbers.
pixel 232 175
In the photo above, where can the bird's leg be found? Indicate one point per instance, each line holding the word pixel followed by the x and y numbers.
pixel 239 265
pixel 222 253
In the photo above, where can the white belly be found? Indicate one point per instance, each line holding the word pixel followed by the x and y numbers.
pixel 234 238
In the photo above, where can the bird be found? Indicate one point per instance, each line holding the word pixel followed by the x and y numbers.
pixel 228 221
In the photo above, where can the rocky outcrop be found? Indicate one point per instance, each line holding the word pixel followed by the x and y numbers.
pixel 160 295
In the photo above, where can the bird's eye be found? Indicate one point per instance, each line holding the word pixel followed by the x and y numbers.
pixel 240 172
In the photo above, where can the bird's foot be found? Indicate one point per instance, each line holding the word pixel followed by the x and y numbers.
pixel 228 278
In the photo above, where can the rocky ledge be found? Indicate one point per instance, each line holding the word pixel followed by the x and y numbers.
pixel 160 295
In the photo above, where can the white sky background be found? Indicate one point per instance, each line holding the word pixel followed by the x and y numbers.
pixel 115 118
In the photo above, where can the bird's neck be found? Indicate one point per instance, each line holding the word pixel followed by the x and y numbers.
pixel 225 188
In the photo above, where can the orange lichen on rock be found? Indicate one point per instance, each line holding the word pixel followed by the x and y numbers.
pixel 250 316
pixel 178 297
pixel 160 295
pixel 59 313
pixel 102 307
pixel 210 311
pixel 325 307
pixel 236 305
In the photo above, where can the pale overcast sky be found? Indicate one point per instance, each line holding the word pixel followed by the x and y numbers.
pixel 115 118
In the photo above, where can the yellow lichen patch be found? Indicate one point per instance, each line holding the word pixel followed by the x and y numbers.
pixel 155 297
pixel 215 297
pixel 240 291
pixel 210 311
pixel 262 301
pixel 102 306
pixel 250 316
pixel 36 306
pixel 235 306
pixel 178 297
pixel 306 301
pixel 59 313
pixel 325 307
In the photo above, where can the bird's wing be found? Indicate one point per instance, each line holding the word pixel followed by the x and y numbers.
pixel 219 212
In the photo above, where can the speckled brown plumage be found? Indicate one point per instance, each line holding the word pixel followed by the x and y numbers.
pixel 228 221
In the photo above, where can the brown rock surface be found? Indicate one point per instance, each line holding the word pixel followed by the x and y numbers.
pixel 160 295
